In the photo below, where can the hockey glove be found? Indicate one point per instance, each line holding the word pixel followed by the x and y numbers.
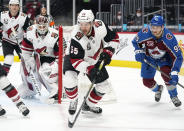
pixel 106 55
pixel 174 78
pixel 92 72
pixel 140 55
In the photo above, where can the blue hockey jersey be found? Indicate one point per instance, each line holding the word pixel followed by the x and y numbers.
pixel 162 51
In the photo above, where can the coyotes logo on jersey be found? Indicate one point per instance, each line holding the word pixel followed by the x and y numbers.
pixel 42 51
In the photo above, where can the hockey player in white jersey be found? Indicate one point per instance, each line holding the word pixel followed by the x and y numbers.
pixel 40 54
pixel 12 93
pixel 13 23
pixel 87 49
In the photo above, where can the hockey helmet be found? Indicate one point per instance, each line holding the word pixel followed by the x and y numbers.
pixel 42 24
pixel 157 20
pixel 15 2
pixel 85 16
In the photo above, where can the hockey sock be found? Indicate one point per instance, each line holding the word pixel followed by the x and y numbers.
pixel 72 93
pixel 94 97
pixel 6 67
pixel 12 93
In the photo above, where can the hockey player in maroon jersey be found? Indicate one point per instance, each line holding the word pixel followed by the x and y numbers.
pixel 12 93
pixel 92 41
pixel 40 53
pixel 13 23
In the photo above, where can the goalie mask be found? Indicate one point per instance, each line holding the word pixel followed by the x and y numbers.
pixel 42 24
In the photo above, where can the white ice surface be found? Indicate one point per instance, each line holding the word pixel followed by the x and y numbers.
pixel 134 110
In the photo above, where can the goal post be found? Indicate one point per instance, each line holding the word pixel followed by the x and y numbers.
pixel 60 64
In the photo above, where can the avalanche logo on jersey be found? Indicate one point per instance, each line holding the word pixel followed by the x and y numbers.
pixel 156 53
pixel 169 36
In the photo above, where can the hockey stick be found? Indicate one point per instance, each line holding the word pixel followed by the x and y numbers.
pixel 32 76
pixel 122 45
pixel 71 124
pixel 161 71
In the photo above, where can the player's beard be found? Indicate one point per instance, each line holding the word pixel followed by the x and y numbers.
pixel 159 34
pixel 14 11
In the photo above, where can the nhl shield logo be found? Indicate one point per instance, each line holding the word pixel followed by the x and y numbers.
pixel 88 46
pixel 6 21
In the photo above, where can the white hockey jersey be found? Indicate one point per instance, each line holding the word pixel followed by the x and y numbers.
pixel 85 51
pixel 47 46
pixel 19 23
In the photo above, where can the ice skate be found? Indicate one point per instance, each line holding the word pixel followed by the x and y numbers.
pixel 94 109
pixel 2 111
pixel 73 106
pixel 22 108
pixel 176 101
pixel 158 93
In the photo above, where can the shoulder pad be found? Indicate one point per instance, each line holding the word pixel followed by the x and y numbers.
pixel 145 30
pixel 98 23
pixel 79 35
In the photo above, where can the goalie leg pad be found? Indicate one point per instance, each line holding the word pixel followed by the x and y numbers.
pixel 27 89
pixel 49 72
pixel 53 77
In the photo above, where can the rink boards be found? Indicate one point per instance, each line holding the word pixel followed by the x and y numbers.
pixel 125 58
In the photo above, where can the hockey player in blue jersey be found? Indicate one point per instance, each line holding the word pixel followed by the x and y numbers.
pixel 159 47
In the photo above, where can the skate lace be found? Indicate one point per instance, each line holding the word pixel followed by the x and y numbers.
pixel 158 93
pixel 95 108
pixel 22 108
pixel 73 105
pixel 175 100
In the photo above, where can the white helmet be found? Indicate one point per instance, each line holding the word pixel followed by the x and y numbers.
pixel 42 24
pixel 85 16
pixel 16 2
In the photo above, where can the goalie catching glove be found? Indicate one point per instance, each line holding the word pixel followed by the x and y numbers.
pixel 106 55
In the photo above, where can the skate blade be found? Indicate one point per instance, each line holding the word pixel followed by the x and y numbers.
pixel 51 101
pixel 71 120
pixel 90 114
